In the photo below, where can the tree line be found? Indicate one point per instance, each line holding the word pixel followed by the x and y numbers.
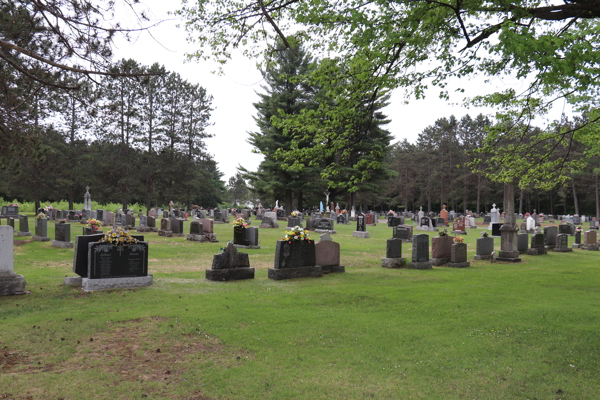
pixel 439 169
pixel 134 137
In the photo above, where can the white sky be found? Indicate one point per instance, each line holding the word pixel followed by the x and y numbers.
pixel 234 92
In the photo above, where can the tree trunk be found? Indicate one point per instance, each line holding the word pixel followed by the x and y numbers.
pixel 288 202
pixel 597 199
pixel 509 204
pixel 300 201
pixel 521 202
pixel 70 198
pixel 551 203
pixel 537 201
pixel 575 196
pixel 406 189
pixel 464 195
pixel 478 192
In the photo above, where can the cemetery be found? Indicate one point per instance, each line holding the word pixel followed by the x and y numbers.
pixel 181 274
pixel 332 200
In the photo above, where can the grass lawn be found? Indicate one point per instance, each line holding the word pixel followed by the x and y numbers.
pixel 491 331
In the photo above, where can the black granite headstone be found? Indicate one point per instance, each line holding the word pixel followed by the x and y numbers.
pixel 239 236
pixel 394 248
pixel 420 248
pixel 80 254
pixel 360 223
pixel 295 254
pixel 106 260
pixel 496 229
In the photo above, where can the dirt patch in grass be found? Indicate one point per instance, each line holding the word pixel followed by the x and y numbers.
pixel 137 350
pixel 9 359
pixel 17 242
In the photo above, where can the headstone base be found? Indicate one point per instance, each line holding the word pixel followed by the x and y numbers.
pixel 291 273
pixel 268 226
pixel 550 247
pixel 420 265
pixel 229 274
pixel 530 231
pixel 72 280
pixel 206 238
pixel 460 232
pixel 325 231
pixel 145 229
pixel 93 285
pixel 439 261
pixel 576 245
pixel 241 246
pixel 459 265
pixel 479 258
pixel 562 250
pixel 165 233
pixel 508 256
pixel 11 284
pixel 537 251
pixel 23 233
pixel 360 234
pixel 331 269
pixel 393 262
pixel 40 239
pixel 62 245
pixel 592 247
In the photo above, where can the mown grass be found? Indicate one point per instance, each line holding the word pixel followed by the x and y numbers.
pixel 491 331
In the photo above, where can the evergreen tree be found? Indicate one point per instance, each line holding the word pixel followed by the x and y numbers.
pixel 284 92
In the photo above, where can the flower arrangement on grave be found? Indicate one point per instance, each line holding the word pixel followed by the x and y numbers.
pixel 578 229
pixel 94 224
pixel 240 223
pixel 296 234
pixel 484 234
pixel 444 232
pixel 62 221
pixel 14 205
pixel 294 214
pixel 344 212
pixel 458 240
pixel 119 237
pixel 40 216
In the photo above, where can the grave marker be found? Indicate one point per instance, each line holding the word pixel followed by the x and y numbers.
pixel 10 282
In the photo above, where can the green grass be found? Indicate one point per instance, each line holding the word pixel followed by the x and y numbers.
pixel 491 331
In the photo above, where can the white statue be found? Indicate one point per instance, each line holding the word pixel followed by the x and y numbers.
pixel 277 204
pixel 421 214
pixel 327 193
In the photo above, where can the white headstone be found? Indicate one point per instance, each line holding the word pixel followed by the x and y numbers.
pixel 530 223
pixel 10 283
pixel 6 254
pixel 353 212
pixel 421 214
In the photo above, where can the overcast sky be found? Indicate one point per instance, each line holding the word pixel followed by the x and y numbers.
pixel 234 92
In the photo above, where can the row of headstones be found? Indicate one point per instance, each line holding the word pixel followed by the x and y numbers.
pixel 445 251
pixel 293 259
